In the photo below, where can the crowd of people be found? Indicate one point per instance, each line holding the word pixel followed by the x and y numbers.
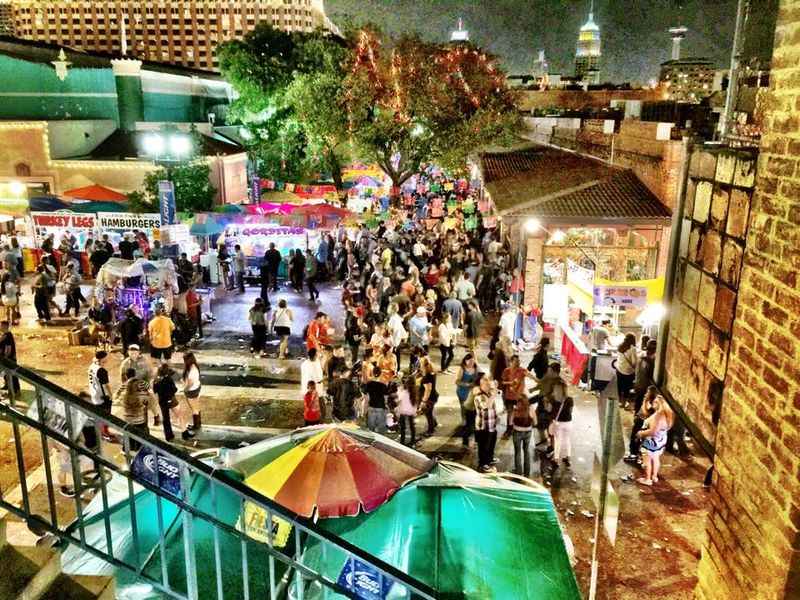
pixel 419 282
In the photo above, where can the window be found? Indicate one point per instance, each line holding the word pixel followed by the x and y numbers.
pixel 22 170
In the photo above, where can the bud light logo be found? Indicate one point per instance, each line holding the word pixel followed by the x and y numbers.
pixel 166 475
pixel 364 581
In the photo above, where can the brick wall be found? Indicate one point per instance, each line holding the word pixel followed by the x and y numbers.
pixel 578 99
pixel 752 546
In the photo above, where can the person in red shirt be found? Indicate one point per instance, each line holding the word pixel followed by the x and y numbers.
pixel 513 384
pixel 312 415
pixel 318 335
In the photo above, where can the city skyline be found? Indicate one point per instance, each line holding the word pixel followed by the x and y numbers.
pixel 515 30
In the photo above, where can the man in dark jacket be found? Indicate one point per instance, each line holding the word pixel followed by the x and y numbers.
pixel 272 258
pixel 342 391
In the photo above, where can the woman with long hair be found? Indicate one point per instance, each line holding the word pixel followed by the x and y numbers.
pixel 465 380
pixel 654 439
pixel 191 390
pixel 428 394
pixel 625 364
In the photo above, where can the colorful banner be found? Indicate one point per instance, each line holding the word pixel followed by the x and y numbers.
pixel 636 294
pixel 311 191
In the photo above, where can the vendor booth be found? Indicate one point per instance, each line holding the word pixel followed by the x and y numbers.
pixel 140 284
pixel 390 501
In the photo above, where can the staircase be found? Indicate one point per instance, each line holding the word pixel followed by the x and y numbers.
pixel 33 573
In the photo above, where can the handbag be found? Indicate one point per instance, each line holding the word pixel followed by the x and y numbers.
pixel 173 403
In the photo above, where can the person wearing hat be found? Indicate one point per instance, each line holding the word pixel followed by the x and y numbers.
pixel 137 362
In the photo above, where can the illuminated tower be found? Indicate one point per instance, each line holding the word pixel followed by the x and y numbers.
pixel 460 34
pixel 677 33
pixel 587 56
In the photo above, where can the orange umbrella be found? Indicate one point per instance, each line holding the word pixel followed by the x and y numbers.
pixel 97 193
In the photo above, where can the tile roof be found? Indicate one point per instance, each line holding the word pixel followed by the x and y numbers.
pixel 521 176
pixel 551 183
pixel 621 197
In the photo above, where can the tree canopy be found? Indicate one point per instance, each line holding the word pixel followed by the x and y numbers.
pixel 193 190
pixel 265 69
pixel 409 102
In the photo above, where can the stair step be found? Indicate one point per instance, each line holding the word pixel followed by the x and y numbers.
pixel 27 571
pixel 81 587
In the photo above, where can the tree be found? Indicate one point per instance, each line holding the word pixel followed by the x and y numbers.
pixel 262 68
pixel 317 100
pixel 193 190
pixel 409 102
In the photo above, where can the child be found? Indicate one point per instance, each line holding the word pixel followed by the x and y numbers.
pixel 407 409
pixel 311 411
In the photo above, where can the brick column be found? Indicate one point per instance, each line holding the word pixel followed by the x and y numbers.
pixel 753 542
pixel 534 265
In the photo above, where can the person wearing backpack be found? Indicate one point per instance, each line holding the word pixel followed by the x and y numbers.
pixel 523 420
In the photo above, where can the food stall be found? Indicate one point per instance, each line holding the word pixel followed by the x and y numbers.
pixel 138 283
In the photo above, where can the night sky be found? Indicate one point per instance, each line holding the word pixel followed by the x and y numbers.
pixel 634 32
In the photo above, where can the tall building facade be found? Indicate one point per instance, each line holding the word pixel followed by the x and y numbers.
pixel 688 79
pixel 182 32
pixel 587 56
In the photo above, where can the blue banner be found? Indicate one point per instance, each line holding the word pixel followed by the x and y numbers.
pixel 166 202
pixel 365 583
pixel 255 190
pixel 167 476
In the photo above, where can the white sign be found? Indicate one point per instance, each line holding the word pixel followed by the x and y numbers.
pixel 67 220
pixel 171 235
pixel 129 221
pixel 580 277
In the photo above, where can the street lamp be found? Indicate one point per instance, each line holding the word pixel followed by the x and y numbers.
pixel 17 188
pixel 167 149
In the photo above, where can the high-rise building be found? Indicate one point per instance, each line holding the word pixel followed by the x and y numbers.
pixel 6 18
pixel 460 34
pixel 587 56
pixel 184 32
pixel 688 79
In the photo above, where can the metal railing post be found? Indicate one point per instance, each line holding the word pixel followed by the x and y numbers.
pixel 188 537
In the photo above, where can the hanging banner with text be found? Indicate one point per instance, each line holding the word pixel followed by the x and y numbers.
pixel 64 220
pixel 129 221
pixel 166 202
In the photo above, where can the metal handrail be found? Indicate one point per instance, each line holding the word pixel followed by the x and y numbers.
pixel 188 465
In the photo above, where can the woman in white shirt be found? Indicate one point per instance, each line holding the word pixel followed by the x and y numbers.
pixel 447 339
pixel 191 389
pixel 397 330
pixel 625 364
pixel 282 320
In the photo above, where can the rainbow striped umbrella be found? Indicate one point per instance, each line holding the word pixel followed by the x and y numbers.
pixel 336 471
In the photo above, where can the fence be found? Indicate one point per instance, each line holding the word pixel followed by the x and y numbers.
pixel 179 526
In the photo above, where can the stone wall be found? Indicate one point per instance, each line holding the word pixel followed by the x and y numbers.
pixel 752 545
pixel 713 231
